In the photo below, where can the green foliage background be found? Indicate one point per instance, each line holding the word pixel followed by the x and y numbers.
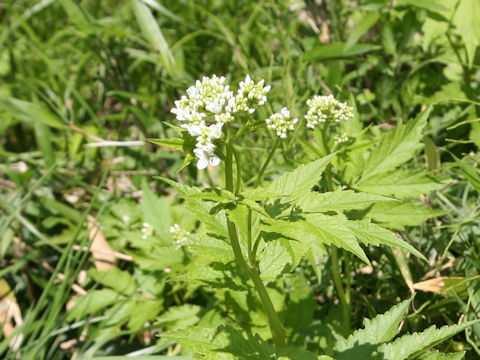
pixel 84 83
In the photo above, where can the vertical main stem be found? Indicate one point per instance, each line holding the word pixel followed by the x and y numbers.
pixel 337 280
pixel 278 333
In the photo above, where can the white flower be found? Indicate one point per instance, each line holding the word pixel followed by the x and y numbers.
pixel 341 138
pixel 281 123
pixel 205 158
pixel 179 236
pixel 326 108
pixel 147 230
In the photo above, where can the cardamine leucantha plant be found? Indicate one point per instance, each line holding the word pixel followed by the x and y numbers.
pixel 254 235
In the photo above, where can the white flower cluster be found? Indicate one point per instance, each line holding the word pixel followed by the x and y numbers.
pixel 281 123
pixel 248 94
pixel 326 108
pixel 179 236
pixel 208 105
pixel 147 230
pixel 341 138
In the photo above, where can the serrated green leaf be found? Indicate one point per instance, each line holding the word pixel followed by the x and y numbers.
pixel 209 248
pixel 396 216
pixel 178 144
pixel 211 194
pixel 197 193
pixel 273 260
pixel 259 194
pixel 339 200
pixel 397 147
pixel 295 183
pixel 201 341
pixel 413 345
pixel 362 343
pixel 329 230
pixel 369 233
pixel 400 184
pixel 436 355
pixel 179 317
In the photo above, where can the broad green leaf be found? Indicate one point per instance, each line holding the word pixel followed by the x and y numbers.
pixel 370 233
pixel 197 193
pixel 400 184
pixel 116 279
pixel 366 22
pixel 93 302
pixel 435 355
pixel 362 343
pixel 30 112
pixel 158 257
pixel 413 345
pixel 337 51
pixel 397 216
pixel 329 230
pixel 339 200
pixel 156 212
pixel 246 345
pixel 210 248
pixel 152 32
pixel 200 340
pixel 179 317
pixel 259 194
pixel 397 147
pixel 295 183
pixel 468 27
pixel 145 310
pixel 273 260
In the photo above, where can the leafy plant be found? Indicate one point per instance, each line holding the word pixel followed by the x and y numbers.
pixel 253 235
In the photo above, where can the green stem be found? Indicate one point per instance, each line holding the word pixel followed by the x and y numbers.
pixel 276 327
pixel 264 167
pixel 278 333
pixel 337 280
pixel 339 286
pixel 239 170
pixel 251 257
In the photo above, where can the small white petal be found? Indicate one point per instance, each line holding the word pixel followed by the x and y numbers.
pixel 202 163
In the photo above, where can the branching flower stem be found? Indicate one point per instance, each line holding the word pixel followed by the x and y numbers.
pixel 269 158
pixel 276 327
